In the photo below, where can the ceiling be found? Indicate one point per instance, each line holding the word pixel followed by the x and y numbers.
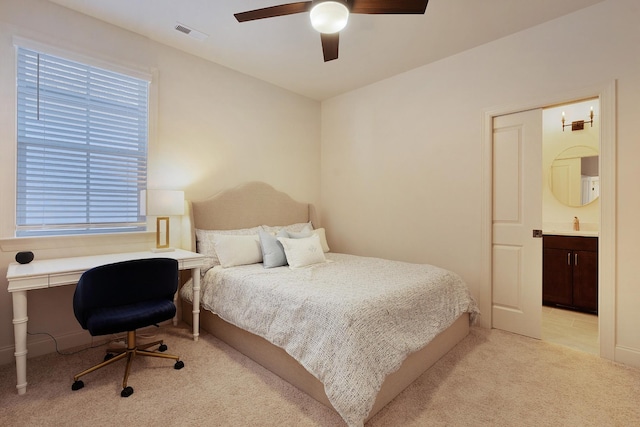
pixel 286 51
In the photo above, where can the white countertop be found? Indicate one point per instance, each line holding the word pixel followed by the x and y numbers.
pixel 579 233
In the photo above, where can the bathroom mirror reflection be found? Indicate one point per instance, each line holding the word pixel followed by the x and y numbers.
pixel 574 177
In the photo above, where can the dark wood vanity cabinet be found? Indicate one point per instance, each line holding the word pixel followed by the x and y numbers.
pixel 570 272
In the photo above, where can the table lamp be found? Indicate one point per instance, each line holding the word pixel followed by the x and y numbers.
pixel 163 204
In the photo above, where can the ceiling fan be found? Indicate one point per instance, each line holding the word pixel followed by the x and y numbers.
pixel 330 16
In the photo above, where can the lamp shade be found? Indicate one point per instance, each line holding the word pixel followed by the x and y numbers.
pixel 329 17
pixel 161 202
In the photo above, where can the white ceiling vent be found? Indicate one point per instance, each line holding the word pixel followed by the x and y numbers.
pixel 190 31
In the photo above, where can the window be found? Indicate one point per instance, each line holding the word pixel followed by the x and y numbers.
pixel 82 147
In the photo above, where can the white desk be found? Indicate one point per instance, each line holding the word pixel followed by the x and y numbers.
pixel 50 273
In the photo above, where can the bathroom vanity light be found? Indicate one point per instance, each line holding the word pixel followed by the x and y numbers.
pixel 578 124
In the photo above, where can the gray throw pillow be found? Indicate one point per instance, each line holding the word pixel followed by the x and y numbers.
pixel 272 250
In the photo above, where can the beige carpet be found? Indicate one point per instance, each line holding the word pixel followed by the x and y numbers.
pixel 491 378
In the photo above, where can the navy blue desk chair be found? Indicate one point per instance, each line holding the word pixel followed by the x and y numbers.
pixel 123 297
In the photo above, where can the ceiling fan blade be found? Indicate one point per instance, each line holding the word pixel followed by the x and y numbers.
pixel 373 7
pixel 330 46
pixel 273 11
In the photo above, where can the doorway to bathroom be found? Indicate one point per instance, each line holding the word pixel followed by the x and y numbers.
pixel 506 270
pixel 571 224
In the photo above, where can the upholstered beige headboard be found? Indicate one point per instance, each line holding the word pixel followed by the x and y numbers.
pixel 247 205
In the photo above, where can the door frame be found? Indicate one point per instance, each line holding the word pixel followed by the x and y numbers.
pixel 606 92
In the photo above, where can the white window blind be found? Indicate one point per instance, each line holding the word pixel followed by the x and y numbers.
pixel 82 147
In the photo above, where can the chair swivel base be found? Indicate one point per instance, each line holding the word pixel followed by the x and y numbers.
pixel 129 352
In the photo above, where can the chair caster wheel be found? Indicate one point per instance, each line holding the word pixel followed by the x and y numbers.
pixel 179 365
pixel 77 385
pixel 126 392
pixel 108 356
pixel 163 347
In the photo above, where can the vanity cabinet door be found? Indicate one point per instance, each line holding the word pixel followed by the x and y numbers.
pixel 557 276
pixel 585 280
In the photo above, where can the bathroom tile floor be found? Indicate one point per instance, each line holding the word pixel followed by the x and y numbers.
pixel 571 329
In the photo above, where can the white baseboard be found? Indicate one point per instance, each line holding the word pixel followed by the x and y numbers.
pixel 627 356
pixel 41 344
pixel 38 345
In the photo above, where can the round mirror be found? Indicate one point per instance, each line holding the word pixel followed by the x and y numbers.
pixel 574 178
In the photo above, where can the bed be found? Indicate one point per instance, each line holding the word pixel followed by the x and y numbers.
pixel 331 327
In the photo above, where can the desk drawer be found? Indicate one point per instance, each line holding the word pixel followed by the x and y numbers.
pixel 63 279
pixel 188 264
pixel 28 284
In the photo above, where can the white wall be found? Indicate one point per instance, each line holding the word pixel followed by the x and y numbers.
pixel 213 128
pixel 402 164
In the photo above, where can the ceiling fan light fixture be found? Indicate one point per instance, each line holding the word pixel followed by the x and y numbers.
pixel 329 17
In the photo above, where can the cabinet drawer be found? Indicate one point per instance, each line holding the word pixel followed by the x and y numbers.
pixel 576 243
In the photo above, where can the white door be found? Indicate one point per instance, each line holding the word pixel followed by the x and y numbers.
pixel 517 212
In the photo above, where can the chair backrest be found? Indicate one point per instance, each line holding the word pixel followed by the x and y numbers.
pixel 124 283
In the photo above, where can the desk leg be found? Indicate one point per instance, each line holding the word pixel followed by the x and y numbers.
pixel 195 275
pixel 20 335
pixel 176 302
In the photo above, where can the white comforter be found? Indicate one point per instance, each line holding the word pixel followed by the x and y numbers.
pixel 350 322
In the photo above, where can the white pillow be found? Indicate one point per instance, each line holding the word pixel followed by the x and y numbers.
pixel 205 246
pixel 323 239
pixel 303 252
pixel 235 250
pixel 295 228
